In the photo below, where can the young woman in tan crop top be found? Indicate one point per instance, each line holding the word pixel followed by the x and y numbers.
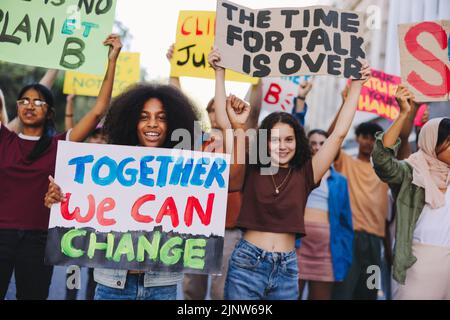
pixel 264 264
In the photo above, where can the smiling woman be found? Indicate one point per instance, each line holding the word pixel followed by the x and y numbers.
pixel 144 115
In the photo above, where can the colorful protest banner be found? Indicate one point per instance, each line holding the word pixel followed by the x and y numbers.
pixel 62 34
pixel 378 95
pixel 278 94
pixel 136 208
pixel 289 41
pixel 128 72
pixel 195 37
pixel 425 59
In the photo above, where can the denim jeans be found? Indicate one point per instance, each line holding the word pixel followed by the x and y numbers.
pixel 366 253
pixel 135 290
pixel 22 252
pixel 255 274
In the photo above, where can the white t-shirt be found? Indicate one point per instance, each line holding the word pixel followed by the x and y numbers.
pixel 433 226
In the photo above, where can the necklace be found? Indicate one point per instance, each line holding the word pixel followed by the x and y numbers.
pixel 277 188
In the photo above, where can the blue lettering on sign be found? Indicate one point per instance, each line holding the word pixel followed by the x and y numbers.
pixel 112 167
pixel 150 170
pixel 80 168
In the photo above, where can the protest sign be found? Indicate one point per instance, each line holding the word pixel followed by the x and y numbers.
pixel 127 73
pixel 61 34
pixel 139 208
pixel 289 41
pixel 378 95
pixel 425 59
pixel 195 37
pixel 278 94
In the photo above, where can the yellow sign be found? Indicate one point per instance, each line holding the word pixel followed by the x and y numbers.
pixel 127 73
pixel 195 37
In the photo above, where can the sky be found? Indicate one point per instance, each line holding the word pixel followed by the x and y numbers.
pixel 152 25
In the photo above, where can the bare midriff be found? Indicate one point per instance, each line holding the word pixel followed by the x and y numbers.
pixel 271 242
pixel 316 215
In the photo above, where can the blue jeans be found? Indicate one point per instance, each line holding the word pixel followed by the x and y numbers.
pixel 135 290
pixel 255 274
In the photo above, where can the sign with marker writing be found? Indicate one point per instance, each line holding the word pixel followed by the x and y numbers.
pixel 139 208
pixel 58 34
pixel 425 59
pixel 279 94
pixel 289 41
pixel 128 72
pixel 195 37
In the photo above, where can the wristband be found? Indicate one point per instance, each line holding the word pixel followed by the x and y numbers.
pixel 69 115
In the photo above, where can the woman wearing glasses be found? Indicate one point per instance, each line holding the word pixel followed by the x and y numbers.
pixel 26 161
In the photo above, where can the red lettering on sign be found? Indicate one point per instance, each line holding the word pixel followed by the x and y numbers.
pixel 428 58
pixel 193 203
pixel 169 209
pixel 273 94
pixel 137 205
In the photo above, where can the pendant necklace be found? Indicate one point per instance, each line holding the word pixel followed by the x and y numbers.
pixel 277 188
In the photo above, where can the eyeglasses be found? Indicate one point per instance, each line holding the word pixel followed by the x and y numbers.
pixel 36 102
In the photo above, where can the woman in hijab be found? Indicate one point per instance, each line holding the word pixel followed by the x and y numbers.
pixel 420 185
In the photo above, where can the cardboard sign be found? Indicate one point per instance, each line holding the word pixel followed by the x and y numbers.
pixel 425 59
pixel 139 208
pixel 128 72
pixel 289 41
pixel 195 37
pixel 58 34
pixel 378 95
pixel 279 94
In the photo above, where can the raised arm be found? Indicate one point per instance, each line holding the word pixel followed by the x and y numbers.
pixel 49 78
pixel 385 164
pixel 220 92
pixel 238 112
pixel 173 81
pixel 403 96
pixel 93 117
pixel 324 158
pixel 254 97
pixel 344 95
pixel 300 107
pixel 3 113
pixel 68 118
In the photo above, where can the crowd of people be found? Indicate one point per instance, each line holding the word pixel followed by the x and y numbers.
pixel 313 216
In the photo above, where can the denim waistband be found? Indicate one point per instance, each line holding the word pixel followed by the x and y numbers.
pixel 275 256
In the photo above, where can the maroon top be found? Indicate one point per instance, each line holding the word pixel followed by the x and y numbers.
pixel 263 210
pixel 23 184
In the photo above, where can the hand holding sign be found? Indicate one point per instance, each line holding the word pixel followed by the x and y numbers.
pixel 214 58
pixel 238 111
pixel 54 194
pixel 365 74
pixel 170 51
pixel 115 46
pixel 404 97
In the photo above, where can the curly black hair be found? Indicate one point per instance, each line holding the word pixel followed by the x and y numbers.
pixel 302 149
pixel 122 119
pixel 368 129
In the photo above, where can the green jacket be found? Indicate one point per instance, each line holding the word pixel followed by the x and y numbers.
pixel 410 200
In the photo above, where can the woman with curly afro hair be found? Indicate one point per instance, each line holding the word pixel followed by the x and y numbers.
pixel 145 115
